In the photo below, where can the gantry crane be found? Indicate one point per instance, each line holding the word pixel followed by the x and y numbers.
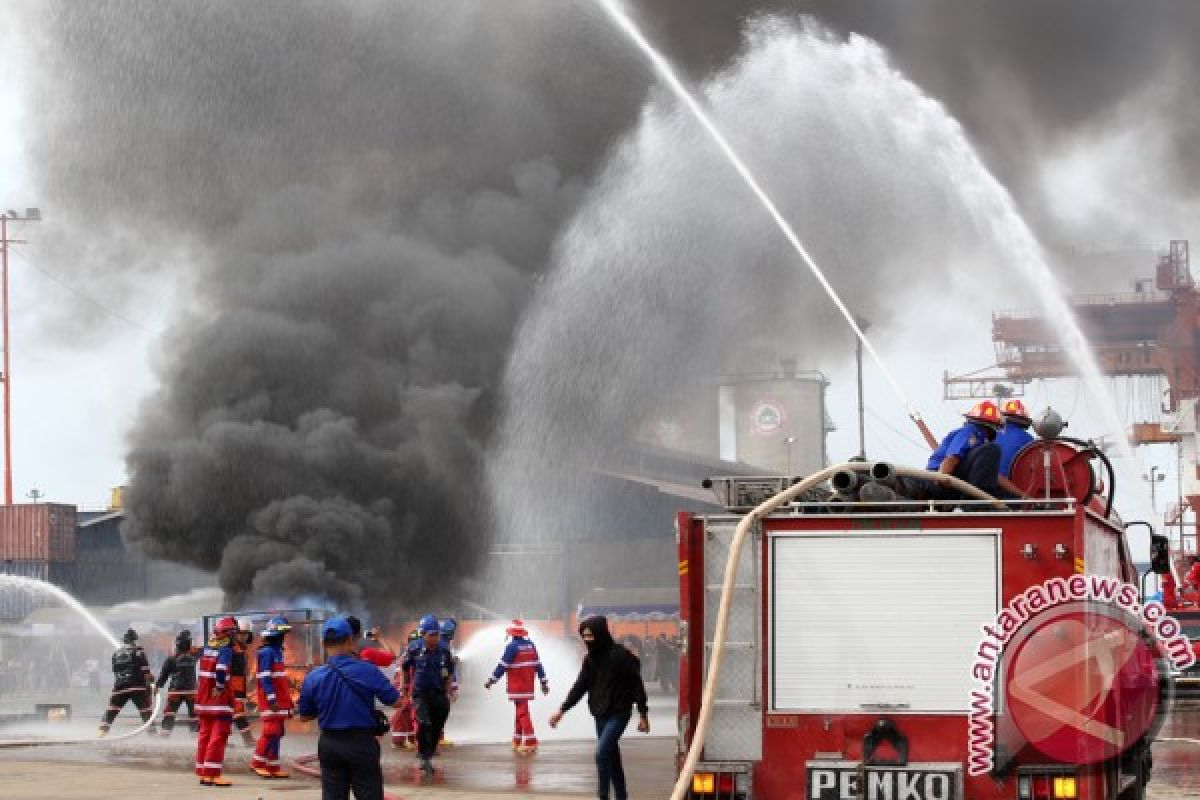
pixel 1150 332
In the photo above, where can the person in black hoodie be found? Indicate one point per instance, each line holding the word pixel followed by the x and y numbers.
pixel 611 677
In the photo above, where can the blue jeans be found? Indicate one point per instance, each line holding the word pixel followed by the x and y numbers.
pixel 608 755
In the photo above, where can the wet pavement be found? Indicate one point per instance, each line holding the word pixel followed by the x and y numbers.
pixel 1177 753
pixel 560 769
pixel 146 767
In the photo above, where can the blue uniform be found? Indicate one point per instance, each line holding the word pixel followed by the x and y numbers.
pixel 337 705
pixel 430 670
pixel 958 443
pixel 1011 440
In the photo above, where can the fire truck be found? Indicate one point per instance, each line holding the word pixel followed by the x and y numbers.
pixel 847 618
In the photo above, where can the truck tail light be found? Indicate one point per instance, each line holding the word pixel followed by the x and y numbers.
pixel 1046 784
pixel 1065 788
pixel 720 783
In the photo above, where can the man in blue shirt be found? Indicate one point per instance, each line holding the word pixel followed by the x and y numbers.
pixel 1012 440
pixel 969 453
pixel 341 696
pixel 431 665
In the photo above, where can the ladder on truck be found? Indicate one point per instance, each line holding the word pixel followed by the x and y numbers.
pixel 735 732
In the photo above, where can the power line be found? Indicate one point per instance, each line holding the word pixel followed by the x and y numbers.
pixel 88 299
pixel 895 430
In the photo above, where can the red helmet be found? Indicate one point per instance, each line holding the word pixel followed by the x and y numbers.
pixel 516 628
pixel 1016 409
pixel 226 626
pixel 986 413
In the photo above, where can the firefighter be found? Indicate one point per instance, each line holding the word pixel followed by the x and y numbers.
pixel 132 680
pixel 520 661
pixel 238 677
pixel 178 675
pixel 404 725
pixel 214 702
pixel 447 628
pixel 969 453
pixel 1012 439
pixel 274 697
pixel 1191 581
pixel 432 669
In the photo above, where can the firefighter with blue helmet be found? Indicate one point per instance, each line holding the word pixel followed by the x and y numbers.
pixel 431 667
pixel 274 697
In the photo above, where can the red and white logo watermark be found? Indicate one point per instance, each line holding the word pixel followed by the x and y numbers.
pixel 1078 664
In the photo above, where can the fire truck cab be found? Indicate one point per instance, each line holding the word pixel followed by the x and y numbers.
pixel 847 664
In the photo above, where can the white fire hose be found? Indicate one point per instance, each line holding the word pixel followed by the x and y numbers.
pixel 735 548
pixel 160 699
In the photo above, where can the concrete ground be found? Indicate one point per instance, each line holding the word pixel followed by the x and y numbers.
pixel 561 770
pixel 145 767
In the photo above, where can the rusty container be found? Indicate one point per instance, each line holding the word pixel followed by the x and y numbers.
pixel 37 532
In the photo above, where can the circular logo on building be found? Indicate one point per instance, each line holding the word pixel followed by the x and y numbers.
pixel 1082 684
pixel 767 417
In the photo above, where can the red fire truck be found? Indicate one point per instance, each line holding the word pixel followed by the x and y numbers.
pixel 853 624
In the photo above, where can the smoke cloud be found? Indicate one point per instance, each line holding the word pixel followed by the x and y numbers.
pixel 359 198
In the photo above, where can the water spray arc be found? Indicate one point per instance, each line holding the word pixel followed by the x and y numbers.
pixel 672 80
pixel 33 585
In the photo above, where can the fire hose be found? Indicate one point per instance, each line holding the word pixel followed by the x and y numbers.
pixel 160 699
pixel 735 548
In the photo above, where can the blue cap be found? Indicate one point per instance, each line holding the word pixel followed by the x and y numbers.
pixel 429 624
pixel 336 628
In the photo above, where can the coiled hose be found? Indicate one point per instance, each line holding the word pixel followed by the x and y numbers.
pixel 735 548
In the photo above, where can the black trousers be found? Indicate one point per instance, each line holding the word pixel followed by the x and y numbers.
pixel 350 760
pixel 139 696
pixel 980 468
pixel 432 710
pixel 176 701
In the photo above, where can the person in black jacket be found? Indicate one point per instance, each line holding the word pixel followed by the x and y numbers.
pixel 611 677
pixel 132 681
pixel 179 676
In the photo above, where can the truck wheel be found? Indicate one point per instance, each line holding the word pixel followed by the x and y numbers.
pixel 1137 763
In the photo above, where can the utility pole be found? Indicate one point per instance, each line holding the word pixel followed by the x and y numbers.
pixel 862 434
pixel 31 215
pixel 1155 476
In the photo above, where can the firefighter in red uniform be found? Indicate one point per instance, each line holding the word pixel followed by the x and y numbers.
pixel 1191 581
pixel 521 662
pixel 404 724
pixel 238 674
pixel 274 697
pixel 214 702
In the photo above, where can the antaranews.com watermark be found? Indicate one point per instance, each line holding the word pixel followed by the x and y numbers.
pixel 1080 641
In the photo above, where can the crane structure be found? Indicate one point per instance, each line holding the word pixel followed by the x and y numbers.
pixel 1149 332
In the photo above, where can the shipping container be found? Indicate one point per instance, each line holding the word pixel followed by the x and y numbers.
pixel 16 603
pixel 37 532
